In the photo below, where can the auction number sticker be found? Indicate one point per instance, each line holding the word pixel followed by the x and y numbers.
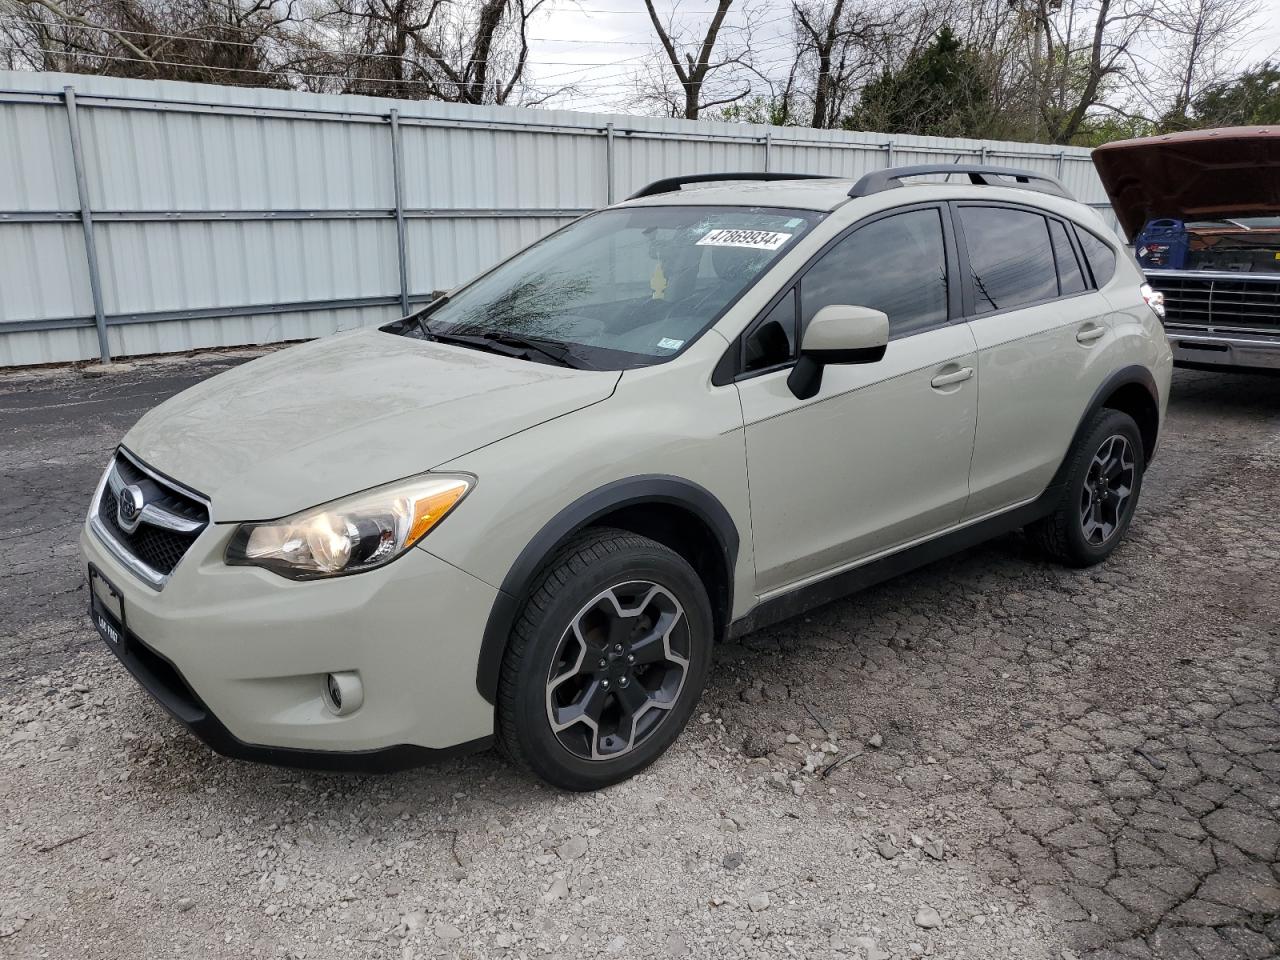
pixel 752 239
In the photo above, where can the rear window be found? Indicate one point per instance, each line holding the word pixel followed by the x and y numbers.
pixel 1009 256
pixel 1102 259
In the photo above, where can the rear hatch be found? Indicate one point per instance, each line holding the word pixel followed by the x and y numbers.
pixel 1203 209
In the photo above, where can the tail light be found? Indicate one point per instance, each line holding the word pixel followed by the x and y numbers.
pixel 1154 299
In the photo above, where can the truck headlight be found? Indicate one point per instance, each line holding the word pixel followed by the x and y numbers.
pixel 350 535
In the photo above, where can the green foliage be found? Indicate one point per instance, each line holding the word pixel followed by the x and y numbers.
pixel 757 109
pixel 941 91
pixel 1095 131
pixel 1252 99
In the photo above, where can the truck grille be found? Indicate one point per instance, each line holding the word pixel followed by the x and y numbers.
pixel 1223 303
pixel 152 540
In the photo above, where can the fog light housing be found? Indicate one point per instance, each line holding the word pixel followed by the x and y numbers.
pixel 343 693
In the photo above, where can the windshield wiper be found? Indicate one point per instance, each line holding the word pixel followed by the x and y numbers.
pixel 509 345
pixel 550 349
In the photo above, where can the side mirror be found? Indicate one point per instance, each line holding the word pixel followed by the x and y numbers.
pixel 837 334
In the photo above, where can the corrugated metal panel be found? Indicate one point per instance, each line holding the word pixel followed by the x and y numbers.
pixel 35 157
pixel 172 266
pixel 289 199
pixel 42 271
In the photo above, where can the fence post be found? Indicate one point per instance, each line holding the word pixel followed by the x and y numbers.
pixel 1062 159
pixel 888 152
pixel 768 144
pixel 608 162
pixel 86 223
pixel 982 154
pixel 397 178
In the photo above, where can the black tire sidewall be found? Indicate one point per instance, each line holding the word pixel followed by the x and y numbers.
pixel 545 755
pixel 1112 423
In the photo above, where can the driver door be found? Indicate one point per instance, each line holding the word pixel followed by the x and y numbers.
pixel 880 456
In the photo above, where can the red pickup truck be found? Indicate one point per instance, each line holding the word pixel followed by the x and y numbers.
pixel 1203 210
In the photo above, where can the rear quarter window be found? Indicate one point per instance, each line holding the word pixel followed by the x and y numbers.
pixel 1101 256
pixel 1010 257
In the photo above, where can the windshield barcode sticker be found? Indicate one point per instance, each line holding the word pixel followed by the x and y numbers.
pixel 753 239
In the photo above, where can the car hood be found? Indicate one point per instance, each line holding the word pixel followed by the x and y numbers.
pixel 329 418
pixel 1199 175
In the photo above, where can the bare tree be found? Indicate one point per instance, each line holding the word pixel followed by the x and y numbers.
pixel 432 49
pixel 695 68
pixel 840 45
pixel 1199 38
pixel 211 41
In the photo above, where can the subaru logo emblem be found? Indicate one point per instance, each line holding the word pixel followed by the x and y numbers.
pixel 129 511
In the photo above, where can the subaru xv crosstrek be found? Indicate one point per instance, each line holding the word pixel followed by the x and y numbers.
pixel 527 512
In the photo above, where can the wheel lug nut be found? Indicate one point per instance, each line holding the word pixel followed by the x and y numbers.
pixel 623 682
pixel 631 658
pixel 604 684
pixel 603 663
pixel 617 648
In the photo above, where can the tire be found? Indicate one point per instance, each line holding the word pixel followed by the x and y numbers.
pixel 1092 515
pixel 584 715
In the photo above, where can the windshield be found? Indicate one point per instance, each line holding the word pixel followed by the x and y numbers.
pixel 620 288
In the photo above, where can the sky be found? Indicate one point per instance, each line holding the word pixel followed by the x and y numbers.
pixel 596 45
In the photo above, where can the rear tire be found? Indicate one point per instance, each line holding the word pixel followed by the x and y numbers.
pixel 1104 480
pixel 606 662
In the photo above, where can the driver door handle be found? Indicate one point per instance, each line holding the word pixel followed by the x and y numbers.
pixel 955 376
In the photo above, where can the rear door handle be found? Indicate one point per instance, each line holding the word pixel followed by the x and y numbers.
pixel 955 376
pixel 1090 333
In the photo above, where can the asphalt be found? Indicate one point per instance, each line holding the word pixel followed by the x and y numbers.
pixel 1103 745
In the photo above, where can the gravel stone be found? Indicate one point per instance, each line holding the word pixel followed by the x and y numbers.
pixel 572 848
pixel 928 918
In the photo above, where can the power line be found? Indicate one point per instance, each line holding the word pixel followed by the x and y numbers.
pixel 284 40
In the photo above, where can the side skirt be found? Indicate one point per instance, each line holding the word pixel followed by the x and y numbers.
pixel 843 584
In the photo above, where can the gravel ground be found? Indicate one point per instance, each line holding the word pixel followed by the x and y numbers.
pixel 992 757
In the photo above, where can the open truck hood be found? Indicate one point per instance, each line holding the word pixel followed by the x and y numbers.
pixel 1198 175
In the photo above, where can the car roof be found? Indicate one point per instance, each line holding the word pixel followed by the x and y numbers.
pixel 825 195
pixel 817 194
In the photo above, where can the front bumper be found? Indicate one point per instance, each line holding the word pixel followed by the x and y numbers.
pixel 239 655
pixel 1202 348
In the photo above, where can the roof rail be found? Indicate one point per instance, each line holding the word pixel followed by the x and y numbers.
pixel 672 184
pixel 979 174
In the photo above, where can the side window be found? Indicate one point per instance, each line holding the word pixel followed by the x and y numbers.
pixel 898 265
pixel 1010 257
pixel 773 340
pixel 1070 276
pixel 1102 259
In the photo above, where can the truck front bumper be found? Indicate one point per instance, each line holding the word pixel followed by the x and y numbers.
pixel 1243 351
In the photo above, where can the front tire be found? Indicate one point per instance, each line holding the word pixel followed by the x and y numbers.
pixel 606 662
pixel 1104 480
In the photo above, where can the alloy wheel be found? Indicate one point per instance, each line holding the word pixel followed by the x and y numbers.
pixel 1108 487
pixel 618 670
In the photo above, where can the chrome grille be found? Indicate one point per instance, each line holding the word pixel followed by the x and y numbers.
pixel 1221 302
pixel 150 540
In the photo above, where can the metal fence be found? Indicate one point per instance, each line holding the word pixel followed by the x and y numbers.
pixel 153 216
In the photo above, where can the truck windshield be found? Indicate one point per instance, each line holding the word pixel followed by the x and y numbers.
pixel 621 288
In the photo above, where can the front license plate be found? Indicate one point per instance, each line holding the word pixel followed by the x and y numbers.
pixel 106 608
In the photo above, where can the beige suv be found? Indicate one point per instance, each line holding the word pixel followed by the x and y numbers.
pixel 527 512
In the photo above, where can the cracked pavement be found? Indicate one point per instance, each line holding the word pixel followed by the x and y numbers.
pixel 1063 763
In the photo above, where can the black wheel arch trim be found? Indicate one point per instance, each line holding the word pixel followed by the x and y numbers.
pixel 1125 376
pixel 629 492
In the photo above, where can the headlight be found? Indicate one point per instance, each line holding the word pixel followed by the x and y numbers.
pixel 350 535
pixel 1154 299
